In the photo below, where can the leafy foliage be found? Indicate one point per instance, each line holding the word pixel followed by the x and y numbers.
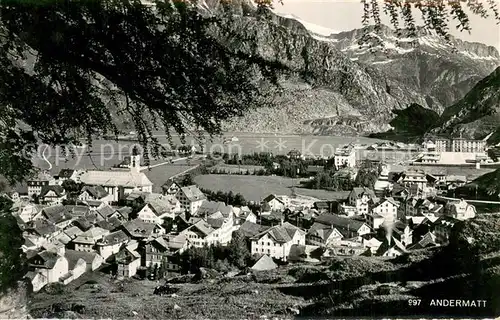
pixel 435 14
pixel 79 63
pixel 11 256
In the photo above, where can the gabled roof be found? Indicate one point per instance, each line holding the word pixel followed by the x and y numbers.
pixel 116 178
pixel 210 207
pixel 42 227
pixel 271 197
pixel 56 214
pixel 57 189
pixel 168 184
pixel 114 238
pixel 322 231
pixel 264 263
pixel 139 229
pixel 384 200
pixel 77 210
pixel 385 246
pixel 339 222
pixel 202 226
pixel 193 193
pixel 250 229
pixel 280 233
pixel 358 192
pixel 73 255
pixel 106 211
pixel 126 256
pixel 49 259
pixel 125 211
pixel 97 192
pixel 175 241
pixel 91 236
pixel 73 232
pixel 428 240
pixel 161 243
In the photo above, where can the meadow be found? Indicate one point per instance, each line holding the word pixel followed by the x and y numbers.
pixel 254 188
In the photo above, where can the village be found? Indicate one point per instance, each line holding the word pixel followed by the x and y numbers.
pixel 115 220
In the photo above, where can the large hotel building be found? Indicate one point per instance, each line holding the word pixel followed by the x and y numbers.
pixel 460 145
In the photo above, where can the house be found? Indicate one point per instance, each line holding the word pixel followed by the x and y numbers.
pixel 119 183
pixel 414 177
pixel 36 184
pixel 427 241
pixel 92 259
pixel 348 227
pixel 106 212
pixel 94 193
pixel 372 244
pixel 128 261
pixel 442 228
pixel 455 181
pixel 210 207
pixel 345 157
pixel 140 230
pixel 359 198
pixel 87 240
pixel 156 211
pixel 29 212
pixel 50 264
pixel 277 241
pixel 399 230
pixel 460 210
pixel 57 215
pixel 374 220
pixel 170 188
pixel 245 216
pixel 191 198
pixel 391 247
pixel 199 234
pixel 111 243
pixel 42 230
pixel 265 263
pixel 306 253
pixel 274 202
pixel 77 211
pixel 157 252
pixel 323 235
pixel 37 280
pixel 385 207
pixel 52 194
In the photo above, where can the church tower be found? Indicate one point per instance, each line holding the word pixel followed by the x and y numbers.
pixel 135 160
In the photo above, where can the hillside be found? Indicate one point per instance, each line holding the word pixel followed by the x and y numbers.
pixel 477 114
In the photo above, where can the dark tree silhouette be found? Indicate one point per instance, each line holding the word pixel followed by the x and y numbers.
pixel 68 68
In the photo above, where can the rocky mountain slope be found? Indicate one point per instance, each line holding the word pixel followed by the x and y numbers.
pixel 339 87
pixel 477 114
pixel 326 93
pixel 426 63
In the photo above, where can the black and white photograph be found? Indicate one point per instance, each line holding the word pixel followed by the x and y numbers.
pixel 249 159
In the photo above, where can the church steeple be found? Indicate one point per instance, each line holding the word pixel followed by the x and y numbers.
pixel 135 160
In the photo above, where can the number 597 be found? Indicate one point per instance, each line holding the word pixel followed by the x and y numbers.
pixel 414 302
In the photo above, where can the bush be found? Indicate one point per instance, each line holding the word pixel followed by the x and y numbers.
pixel 55 288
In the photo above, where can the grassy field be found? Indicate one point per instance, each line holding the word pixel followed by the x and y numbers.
pixel 257 187
pixel 102 297
pixel 161 174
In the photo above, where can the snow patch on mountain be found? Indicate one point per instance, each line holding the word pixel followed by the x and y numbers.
pixel 311 27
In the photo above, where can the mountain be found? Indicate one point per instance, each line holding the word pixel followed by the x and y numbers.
pixel 477 114
pixel 338 87
pixel 427 63
pixel 326 92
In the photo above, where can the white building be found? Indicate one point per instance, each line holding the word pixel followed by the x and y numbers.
pixel 190 198
pixel 385 207
pixel 36 184
pixel 119 183
pixel 460 210
pixel 277 241
pixel 345 157
pixel 157 210
pixel 360 198
pixel 275 203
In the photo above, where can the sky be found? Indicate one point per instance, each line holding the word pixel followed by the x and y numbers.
pixel 344 15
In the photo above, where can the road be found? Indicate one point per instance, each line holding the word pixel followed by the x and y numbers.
pixel 173 161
